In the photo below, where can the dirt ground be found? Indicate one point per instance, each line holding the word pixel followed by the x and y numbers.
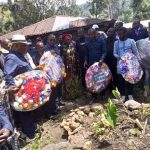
pixel 119 138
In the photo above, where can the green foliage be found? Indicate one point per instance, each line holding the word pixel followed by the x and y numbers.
pixel 125 15
pixel 106 119
pixel 98 128
pixel 74 88
pixel 112 113
pixel 141 8
pixel 72 10
pixel 26 12
pixel 6 23
pixel 116 93
pixel 135 131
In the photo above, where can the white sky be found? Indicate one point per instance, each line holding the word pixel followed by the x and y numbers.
pixel 79 2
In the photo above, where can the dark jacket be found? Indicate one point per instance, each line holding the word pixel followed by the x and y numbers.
pixel 81 48
pixel 110 59
pixel 49 47
pixel 95 51
pixel 138 34
pixel 36 56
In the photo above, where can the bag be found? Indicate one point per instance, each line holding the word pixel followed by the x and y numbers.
pixel 54 67
pixel 130 68
pixel 34 90
pixel 144 51
pixel 97 78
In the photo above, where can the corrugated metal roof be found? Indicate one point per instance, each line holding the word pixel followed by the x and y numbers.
pixel 53 24
pixel 45 26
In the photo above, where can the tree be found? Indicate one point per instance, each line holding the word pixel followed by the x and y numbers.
pixel 72 10
pixel 26 12
pixel 104 8
pixel 6 23
pixel 141 8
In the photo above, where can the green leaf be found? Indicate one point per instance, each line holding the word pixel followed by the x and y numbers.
pixel 100 131
pixel 134 131
pixel 116 93
pixel 112 113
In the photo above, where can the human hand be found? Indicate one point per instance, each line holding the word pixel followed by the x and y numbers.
pixel 40 67
pixel 100 63
pixel 85 64
pixel 12 91
pixel 4 134
pixel 53 52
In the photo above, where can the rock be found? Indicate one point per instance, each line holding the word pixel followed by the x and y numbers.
pixel 59 146
pixel 91 114
pixel 68 120
pixel 79 120
pixel 132 104
pixel 77 140
pixel 67 128
pixel 75 131
pixel 80 113
pixel 117 101
pixel 74 125
pixel 81 108
pixel 87 110
pixel 87 145
pixel 96 107
pixel 63 123
pixel 76 110
pixel 71 114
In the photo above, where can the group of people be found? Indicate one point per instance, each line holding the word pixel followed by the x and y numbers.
pixel 19 56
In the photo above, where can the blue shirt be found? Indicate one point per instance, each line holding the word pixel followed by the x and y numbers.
pixel 127 46
pixel 138 34
pixel 15 64
pixel 96 51
pixel 49 47
pixel 4 121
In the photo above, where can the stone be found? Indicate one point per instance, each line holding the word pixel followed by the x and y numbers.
pixel 79 120
pixel 67 128
pixel 81 108
pixel 68 120
pixel 75 131
pixel 117 101
pixel 63 123
pixel 71 114
pixel 87 110
pixel 132 104
pixel 74 125
pixel 96 107
pixel 80 113
pixel 87 145
pixel 77 140
pixel 59 146
pixel 91 114
pixel 76 110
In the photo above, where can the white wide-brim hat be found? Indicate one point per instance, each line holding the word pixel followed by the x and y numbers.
pixel 18 38
pixel 95 26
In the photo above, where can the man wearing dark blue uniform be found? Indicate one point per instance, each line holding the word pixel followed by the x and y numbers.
pixel 95 51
